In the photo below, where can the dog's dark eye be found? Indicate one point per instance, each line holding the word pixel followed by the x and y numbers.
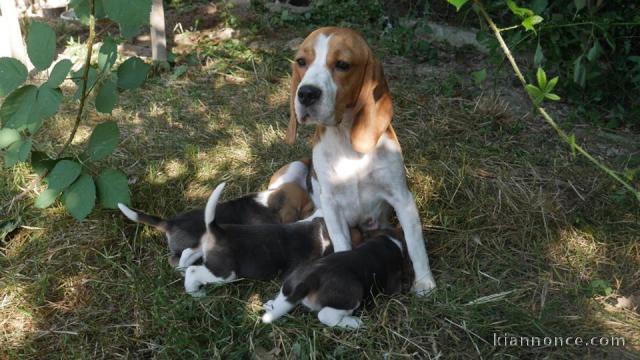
pixel 342 65
pixel 301 62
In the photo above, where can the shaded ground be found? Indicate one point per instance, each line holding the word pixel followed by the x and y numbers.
pixel 523 238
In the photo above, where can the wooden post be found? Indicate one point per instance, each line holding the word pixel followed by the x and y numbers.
pixel 158 35
pixel 11 43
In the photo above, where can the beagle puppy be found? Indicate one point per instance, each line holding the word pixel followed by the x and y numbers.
pixel 232 251
pixel 285 201
pixel 337 284
pixel 339 85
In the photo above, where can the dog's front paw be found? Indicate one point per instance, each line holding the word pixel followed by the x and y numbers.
pixel 268 306
pixel 424 286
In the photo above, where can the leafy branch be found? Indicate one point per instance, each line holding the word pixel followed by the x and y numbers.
pixel 75 179
pixel 537 94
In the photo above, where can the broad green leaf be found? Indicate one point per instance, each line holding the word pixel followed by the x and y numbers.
pixel 479 76
pixel 107 55
pixel 103 140
pixel 20 108
pixel 8 137
pixel 535 93
pixel 538 57
pixel 132 73
pixel 579 72
pixel 41 162
pixel 59 73
pixel 457 3
pixel 63 174
pixel 17 152
pixel 130 15
pixel 519 11
pixel 529 22
pixel 551 96
pixel 80 198
pixel 12 74
pixel 538 6
pixel 594 52
pixel 81 8
pixel 41 45
pixel 49 100
pixel 107 96
pixel 113 188
pixel 551 84
pixel 46 198
pixel 542 78
pixel 92 78
pixel 580 4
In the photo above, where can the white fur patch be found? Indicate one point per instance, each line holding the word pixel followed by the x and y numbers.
pixel 132 215
pixel 263 197
pixel 278 307
pixel 189 256
pixel 296 173
pixel 210 210
pixel 397 242
pixel 340 318
pixel 198 275
pixel 319 75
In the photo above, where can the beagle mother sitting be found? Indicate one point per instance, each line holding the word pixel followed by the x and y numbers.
pixel 339 85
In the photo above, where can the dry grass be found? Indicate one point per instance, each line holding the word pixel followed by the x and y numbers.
pixel 518 231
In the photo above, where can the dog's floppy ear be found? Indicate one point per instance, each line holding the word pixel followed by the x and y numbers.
pixel 373 110
pixel 293 121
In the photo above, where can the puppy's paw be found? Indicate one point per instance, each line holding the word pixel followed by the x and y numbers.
pixel 350 322
pixel 197 294
pixel 268 306
pixel 424 286
pixel 267 318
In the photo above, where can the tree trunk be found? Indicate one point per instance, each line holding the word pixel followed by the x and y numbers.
pixel 158 36
pixel 11 44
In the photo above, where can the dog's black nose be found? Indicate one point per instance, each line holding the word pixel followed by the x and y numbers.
pixel 309 95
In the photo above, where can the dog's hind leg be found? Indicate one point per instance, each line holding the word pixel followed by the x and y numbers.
pixel 276 308
pixel 338 317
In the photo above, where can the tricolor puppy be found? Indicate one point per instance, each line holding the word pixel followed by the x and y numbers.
pixel 262 252
pixel 337 284
pixel 284 202
pixel 339 85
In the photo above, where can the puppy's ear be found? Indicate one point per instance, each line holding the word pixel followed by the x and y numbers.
pixel 293 120
pixel 373 110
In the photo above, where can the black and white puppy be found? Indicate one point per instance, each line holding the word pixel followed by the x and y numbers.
pixel 285 203
pixel 262 252
pixel 337 284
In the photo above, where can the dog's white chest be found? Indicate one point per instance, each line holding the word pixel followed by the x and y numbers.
pixel 356 182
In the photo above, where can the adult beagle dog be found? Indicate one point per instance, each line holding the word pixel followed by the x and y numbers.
pixel 339 85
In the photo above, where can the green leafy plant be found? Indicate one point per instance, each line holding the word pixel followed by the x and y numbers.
pixel 76 179
pixel 588 43
pixel 543 90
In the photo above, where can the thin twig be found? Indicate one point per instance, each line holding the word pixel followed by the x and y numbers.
pixel 545 115
pixel 83 98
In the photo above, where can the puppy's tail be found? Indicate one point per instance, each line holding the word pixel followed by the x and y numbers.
pixel 140 217
pixel 210 210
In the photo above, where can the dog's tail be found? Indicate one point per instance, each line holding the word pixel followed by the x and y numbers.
pixel 210 210
pixel 140 217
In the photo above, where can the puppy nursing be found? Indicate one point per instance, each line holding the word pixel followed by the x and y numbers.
pixel 285 201
pixel 232 251
pixel 337 284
